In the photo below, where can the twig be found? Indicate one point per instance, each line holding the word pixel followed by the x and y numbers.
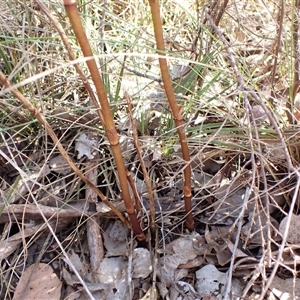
pixel 278 42
pixel 49 225
pixel 244 88
pixel 130 267
pixel 296 79
pixel 93 231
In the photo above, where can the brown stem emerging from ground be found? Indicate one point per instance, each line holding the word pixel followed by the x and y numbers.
pixel 109 126
pixel 145 172
pixel 176 110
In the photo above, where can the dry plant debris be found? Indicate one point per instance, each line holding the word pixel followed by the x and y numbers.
pixel 235 73
pixel 38 280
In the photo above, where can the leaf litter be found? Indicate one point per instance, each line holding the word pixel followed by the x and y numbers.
pixel 238 215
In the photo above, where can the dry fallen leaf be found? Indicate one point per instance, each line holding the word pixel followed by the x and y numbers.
pixel 115 239
pixel 38 282
pixel 256 230
pixel 180 251
pixel 286 289
pixel 210 281
pixel 85 145
pixel 141 262
pixel 294 234
pixel 151 294
pixel 59 165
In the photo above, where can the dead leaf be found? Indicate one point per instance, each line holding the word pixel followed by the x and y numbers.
pixel 38 282
pixel 180 252
pixel 210 281
pixel 141 263
pixel 59 165
pixel 256 230
pixel 286 289
pixel 216 239
pixel 85 145
pixel 151 294
pixel 294 233
pixel 80 266
pixel 111 269
pixel 115 239
pixel 258 115
pixel 24 184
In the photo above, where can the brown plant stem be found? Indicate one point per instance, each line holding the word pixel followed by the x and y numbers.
pixel 109 126
pixel 135 192
pixel 176 110
pixel 35 113
pixel 145 172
